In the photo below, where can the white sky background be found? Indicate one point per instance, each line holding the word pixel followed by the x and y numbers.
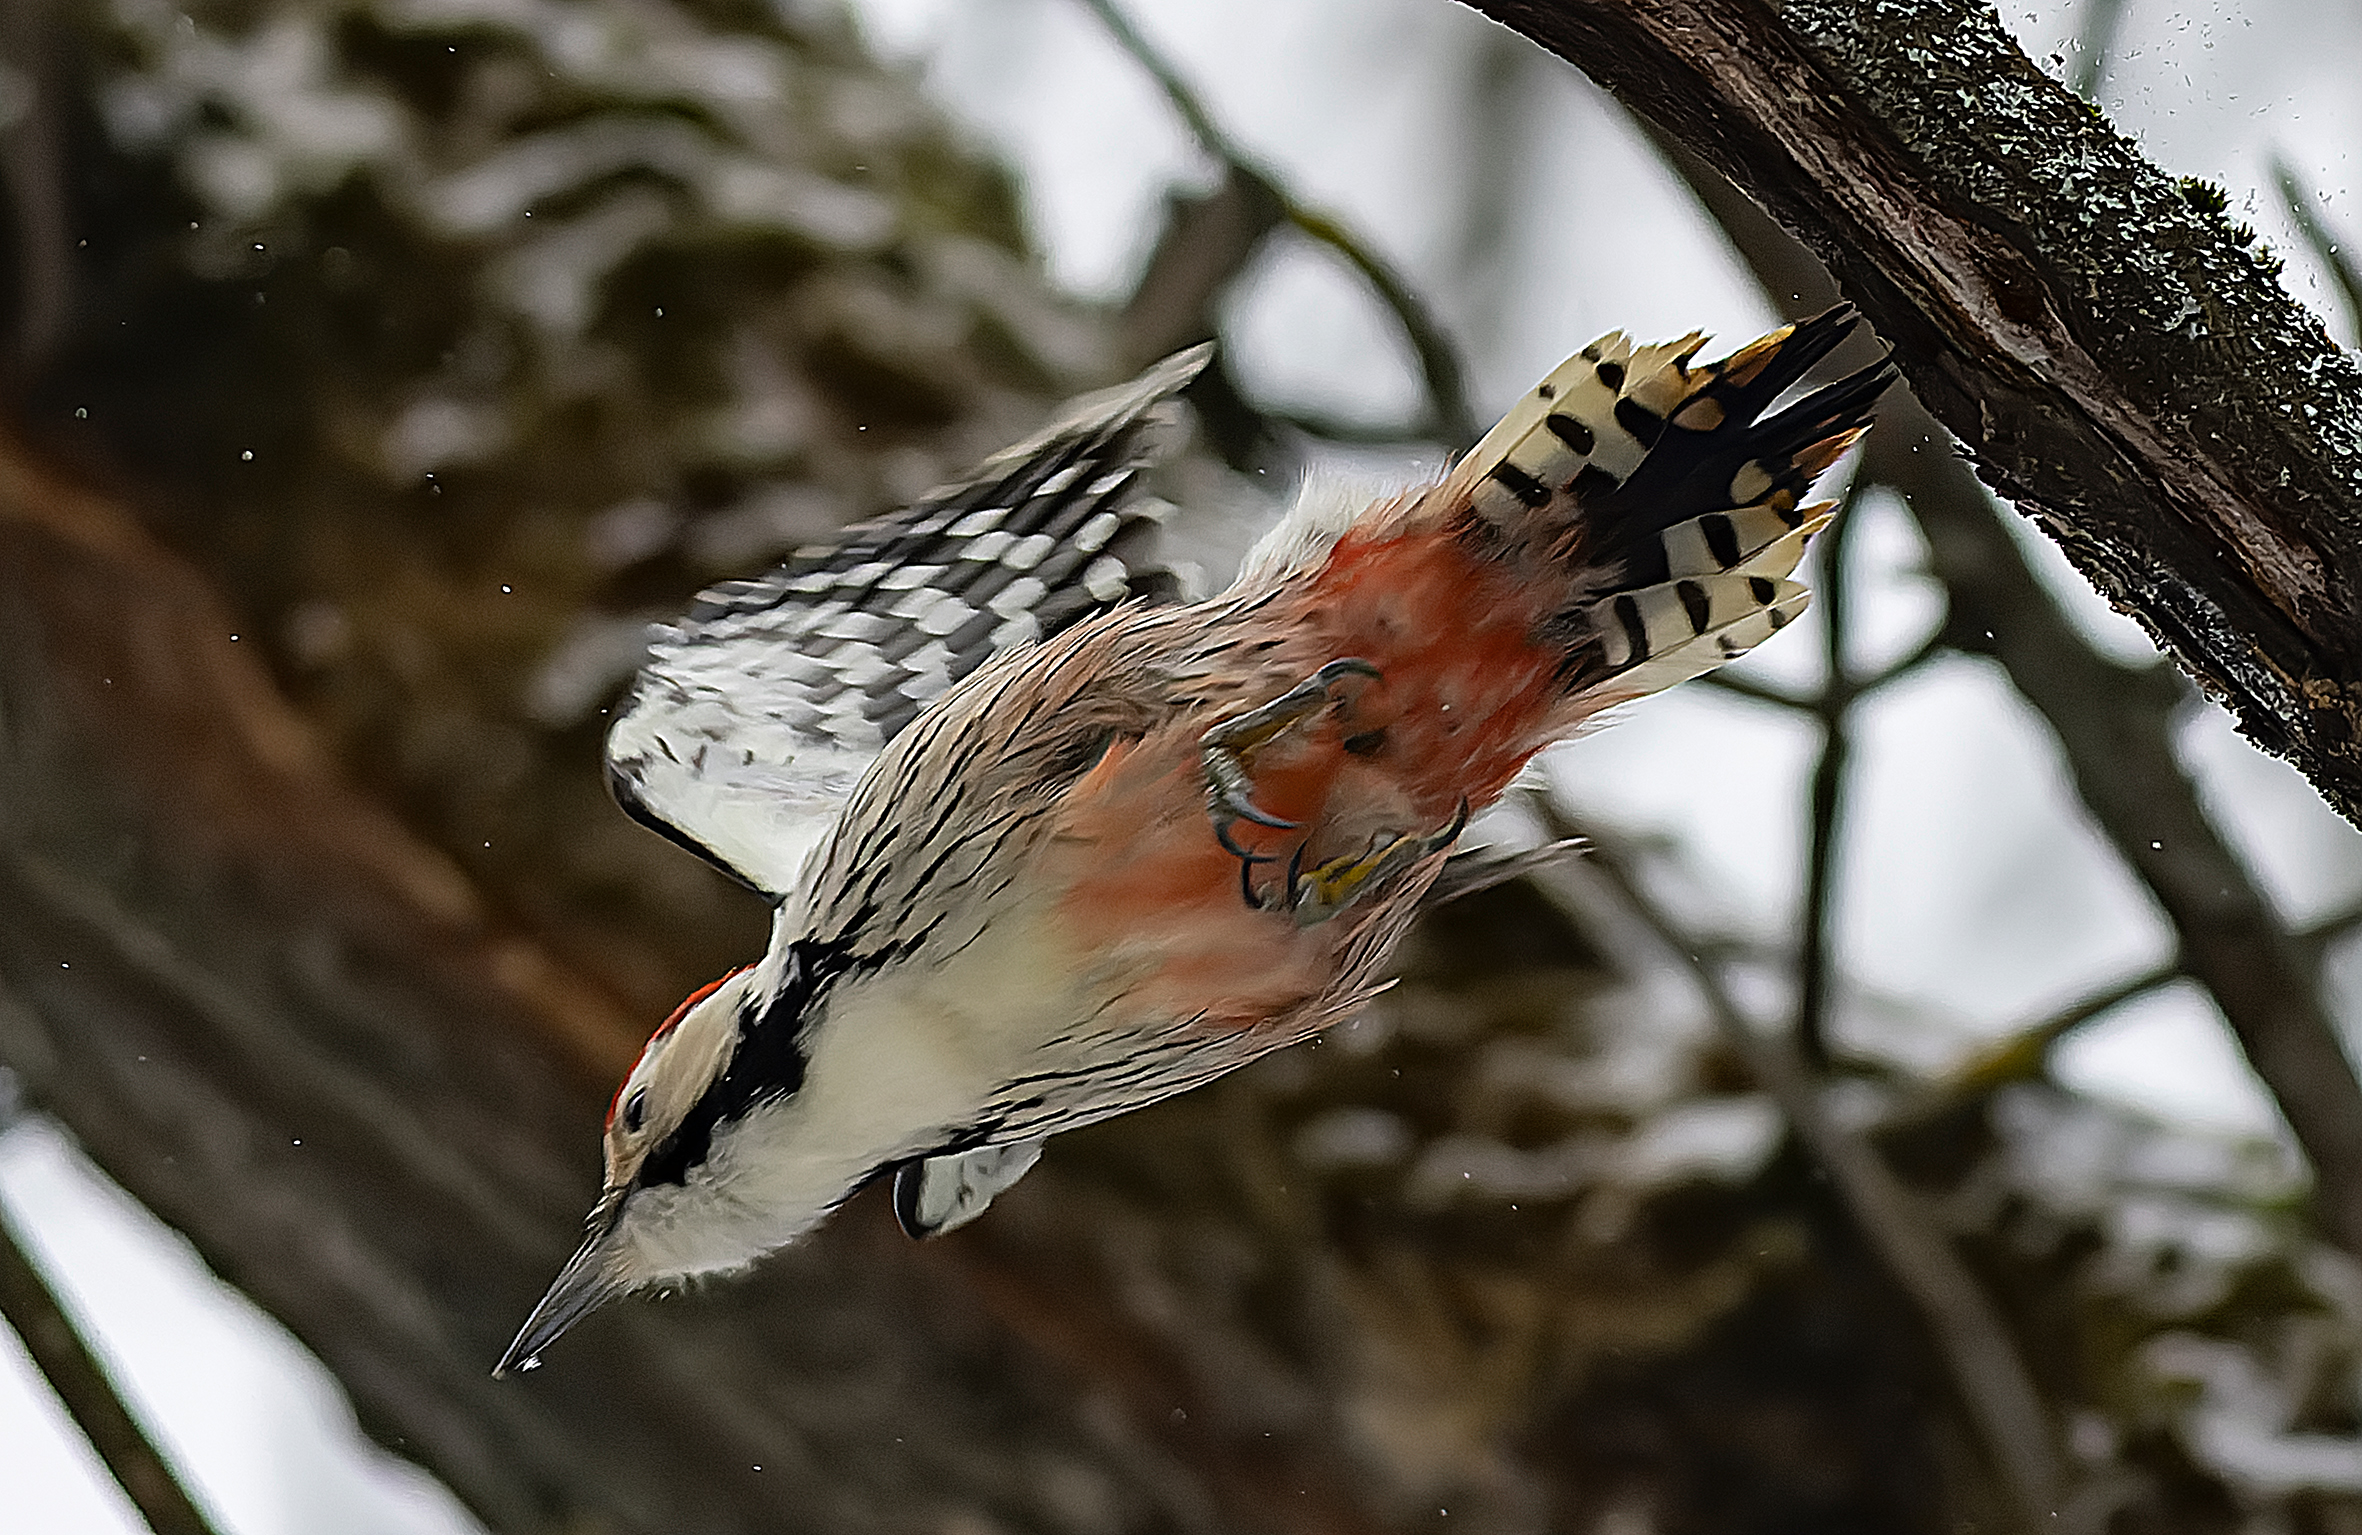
pixel 1974 896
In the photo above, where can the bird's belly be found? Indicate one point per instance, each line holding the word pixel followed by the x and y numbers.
pixel 1020 1032
pixel 1040 1023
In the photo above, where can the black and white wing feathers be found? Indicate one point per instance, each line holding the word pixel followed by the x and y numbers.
pixel 756 714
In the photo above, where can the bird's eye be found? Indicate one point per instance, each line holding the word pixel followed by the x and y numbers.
pixel 635 1110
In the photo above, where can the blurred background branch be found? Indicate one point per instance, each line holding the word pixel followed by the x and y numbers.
pixel 33 1312
pixel 1449 418
pixel 2305 211
pixel 1982 1359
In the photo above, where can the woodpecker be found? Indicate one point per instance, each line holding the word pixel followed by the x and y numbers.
pixel 1045 844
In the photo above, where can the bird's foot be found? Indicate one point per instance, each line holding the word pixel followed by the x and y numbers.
pixel 1224 750
pixel 1319 893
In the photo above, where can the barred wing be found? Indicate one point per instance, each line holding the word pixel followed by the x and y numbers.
pixel 756 713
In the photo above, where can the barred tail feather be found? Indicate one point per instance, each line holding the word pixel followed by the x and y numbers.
pixel 1672 494
pixel 1655 636
pixel 1573 436
pixel 1754 540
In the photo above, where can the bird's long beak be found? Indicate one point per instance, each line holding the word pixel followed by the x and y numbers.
pixel 586 1282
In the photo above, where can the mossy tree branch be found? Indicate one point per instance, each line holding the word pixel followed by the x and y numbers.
pixel 2114 724
pixel 2115 352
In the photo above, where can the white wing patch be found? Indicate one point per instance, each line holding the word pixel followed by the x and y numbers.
pixel 757 713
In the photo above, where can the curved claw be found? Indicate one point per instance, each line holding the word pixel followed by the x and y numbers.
pixel 1340 669
pixel 1251 729
pixel 1223 751
pixel 1246 861
pixel 1230 844
pixel 1243 809
pixel 1229 803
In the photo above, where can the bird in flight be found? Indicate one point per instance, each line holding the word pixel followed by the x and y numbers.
pixel 1044 843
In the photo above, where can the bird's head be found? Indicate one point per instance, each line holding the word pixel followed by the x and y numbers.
pixel 676 1199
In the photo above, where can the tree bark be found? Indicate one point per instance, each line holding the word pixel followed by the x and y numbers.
pixel 2115 352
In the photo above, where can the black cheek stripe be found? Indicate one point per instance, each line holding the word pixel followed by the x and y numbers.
pixel 767 1065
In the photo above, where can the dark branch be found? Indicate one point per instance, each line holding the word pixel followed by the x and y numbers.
pixel 1727 681
pixel 34 1313
pixel 2116 353
pixel 1815 966
pixel 1207 241
pixel 2115 726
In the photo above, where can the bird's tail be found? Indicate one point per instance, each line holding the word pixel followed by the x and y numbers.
pixel 1670 494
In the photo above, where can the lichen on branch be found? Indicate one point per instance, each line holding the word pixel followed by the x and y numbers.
pixel 2113 349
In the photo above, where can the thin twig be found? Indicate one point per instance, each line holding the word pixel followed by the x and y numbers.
pixel 1934 647
pixel 1439 360
pixel 2304 210
pixel 1978 1352
pixel 2021 1055
pixel 2318 938
pixel 35 1314
pixel 1833 709
pixel 1813 958
pixel 1725 681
